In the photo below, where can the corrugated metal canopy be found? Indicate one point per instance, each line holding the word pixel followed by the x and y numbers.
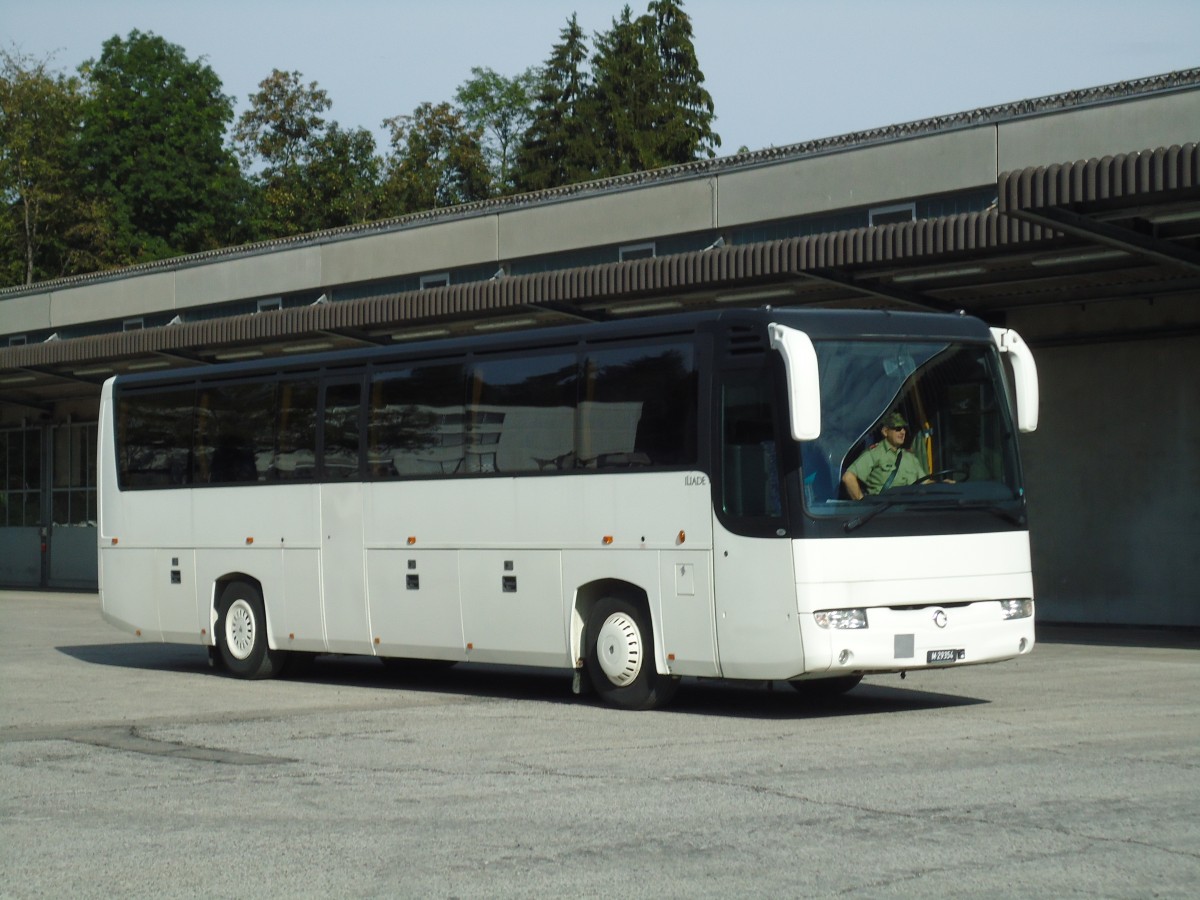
pixel 1112 228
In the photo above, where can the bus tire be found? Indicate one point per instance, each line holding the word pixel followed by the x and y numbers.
pixel 825 688
pixel 620 656
pixel 242 634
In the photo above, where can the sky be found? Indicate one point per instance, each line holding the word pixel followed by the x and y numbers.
pixel 779 72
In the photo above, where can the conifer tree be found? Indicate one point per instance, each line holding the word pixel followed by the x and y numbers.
pixel 558 147
pixel 684 117
pixel 627 96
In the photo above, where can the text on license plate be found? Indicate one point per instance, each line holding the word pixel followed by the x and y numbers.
pixel 945 656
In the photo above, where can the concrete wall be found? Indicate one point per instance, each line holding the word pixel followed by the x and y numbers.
pixel 1114 486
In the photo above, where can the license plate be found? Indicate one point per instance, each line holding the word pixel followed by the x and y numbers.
pixel 944 656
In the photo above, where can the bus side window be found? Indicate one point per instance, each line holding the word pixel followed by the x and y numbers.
pixel 750 485
pixel 638 407
pixel 340 430
pixel 295 456
pixel 154 435
pixel 234 435
pixel 417 421
pixel 521 413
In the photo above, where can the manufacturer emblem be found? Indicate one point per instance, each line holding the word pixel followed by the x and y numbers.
pixel 939 618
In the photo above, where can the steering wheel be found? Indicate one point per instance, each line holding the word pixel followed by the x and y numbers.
pixel 934 476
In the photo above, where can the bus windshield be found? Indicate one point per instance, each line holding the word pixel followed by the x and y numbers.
pixel 917 422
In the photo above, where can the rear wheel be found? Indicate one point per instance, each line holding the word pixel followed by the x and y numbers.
pixel 620 657
pixel 242 634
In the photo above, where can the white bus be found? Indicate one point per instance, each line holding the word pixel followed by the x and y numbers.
pixel 636 501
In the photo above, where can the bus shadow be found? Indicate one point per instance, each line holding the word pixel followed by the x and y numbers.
pixel 699 697
pixel 164 657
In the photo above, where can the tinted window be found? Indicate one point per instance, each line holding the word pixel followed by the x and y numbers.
pixel 416 425
pixel 235 433
pixel 750 484
pixel 154 438
pixel 521 414
pixel 638 407
pixel 343 404
pixel 296 430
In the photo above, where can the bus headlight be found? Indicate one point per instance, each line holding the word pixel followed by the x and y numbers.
pixel 1017 609
pixel 841 618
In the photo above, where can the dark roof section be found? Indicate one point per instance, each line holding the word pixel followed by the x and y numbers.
pixel 587 292
pixel 1125 90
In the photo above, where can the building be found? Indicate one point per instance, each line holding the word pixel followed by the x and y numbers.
pixel 1074 219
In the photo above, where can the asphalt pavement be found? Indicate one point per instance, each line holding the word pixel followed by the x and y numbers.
pixel 130 769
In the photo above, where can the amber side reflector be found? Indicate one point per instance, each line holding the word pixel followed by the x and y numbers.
pixel 114 542
pixel 607 539
pixel 249 541
pixel 291 636
pixel 203 631
pixel 411 541
pixel 470 646
pixel 670 657
pixel 138 632
pixel 376 642
pixel 682 535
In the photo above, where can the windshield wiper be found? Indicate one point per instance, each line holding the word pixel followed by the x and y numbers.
pixel 859 521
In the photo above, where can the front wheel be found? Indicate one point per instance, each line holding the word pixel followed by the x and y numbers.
pixel 620 657
pixel 242 634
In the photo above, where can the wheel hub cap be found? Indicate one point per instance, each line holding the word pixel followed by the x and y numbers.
pixel 619 649
pixel 239 629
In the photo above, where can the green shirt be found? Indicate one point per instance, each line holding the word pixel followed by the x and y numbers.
pixel 875 466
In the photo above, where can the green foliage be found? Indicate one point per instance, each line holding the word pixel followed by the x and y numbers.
pixel 500 108
pixel 129 162
pixel 559 146
pixel 436 161
pixel 44 219
pixel 642 106
pixel 152 145
pixel 310 174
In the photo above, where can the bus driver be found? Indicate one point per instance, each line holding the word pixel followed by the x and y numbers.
pixel 886 464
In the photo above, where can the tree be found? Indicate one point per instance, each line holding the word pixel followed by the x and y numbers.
pixel 651 107
pixel 501 109
pixel 558 146
pixel 40 117
pixel 341 180
pixel 685 111
pixel 153 147
pixel 309 174
pixel 436 161
pixel 627 96
pixel 282 123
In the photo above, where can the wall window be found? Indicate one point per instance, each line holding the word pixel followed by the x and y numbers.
pixel 636 251
pixel 266 304
pixel 74 484
pixel 133 324
pixel 20 476
pixel 894 214
pixel 442 279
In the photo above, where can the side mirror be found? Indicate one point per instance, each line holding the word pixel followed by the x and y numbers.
pixel 803 380
pixel 1025 376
